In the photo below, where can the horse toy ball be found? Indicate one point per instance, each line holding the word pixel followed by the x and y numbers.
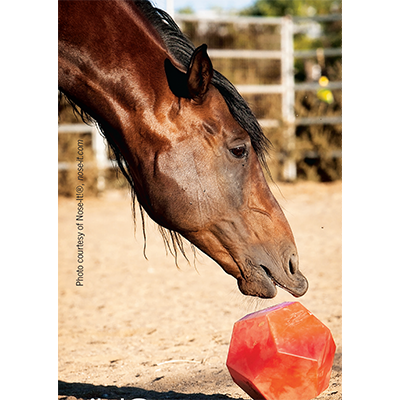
pixel 281 353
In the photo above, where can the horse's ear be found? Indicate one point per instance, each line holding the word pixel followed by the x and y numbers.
pixel 199 73
pixel 193 84
pixel 177 80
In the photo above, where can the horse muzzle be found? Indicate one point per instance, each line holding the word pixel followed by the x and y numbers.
pixel 261 279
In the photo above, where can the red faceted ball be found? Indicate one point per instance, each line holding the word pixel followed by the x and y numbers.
pixel 281 353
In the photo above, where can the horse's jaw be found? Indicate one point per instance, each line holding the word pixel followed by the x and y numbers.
pixel 258 269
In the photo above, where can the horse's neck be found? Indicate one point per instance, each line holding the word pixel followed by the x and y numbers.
pixel 110 60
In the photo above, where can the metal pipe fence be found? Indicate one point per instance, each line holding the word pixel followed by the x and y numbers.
pixel 286 89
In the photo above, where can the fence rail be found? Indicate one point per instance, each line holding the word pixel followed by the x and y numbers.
pixel 270 89
pixel 287 88
pixel 101 162
pixel 270 54
pixel 276 123
pixel 75 128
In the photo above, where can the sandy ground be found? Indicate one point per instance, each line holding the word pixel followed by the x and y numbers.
pixel 146 329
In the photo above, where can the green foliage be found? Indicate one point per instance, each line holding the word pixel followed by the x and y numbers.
pixel 186 10
pixel 320 140
pixel 315 144
pixel 228 35
pixel 331 31
pixel 301 8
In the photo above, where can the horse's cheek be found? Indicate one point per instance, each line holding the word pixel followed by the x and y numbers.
pixel 174 193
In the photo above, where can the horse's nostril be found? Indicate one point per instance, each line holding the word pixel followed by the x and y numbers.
pixel 292 268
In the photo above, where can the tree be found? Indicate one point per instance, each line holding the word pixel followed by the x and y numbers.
pixel 303 8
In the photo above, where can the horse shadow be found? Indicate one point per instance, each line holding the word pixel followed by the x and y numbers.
pixel 88 391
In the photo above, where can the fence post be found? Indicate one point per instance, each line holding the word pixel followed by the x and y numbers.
pixel 170 8
pixel 100 151
pixel 288 98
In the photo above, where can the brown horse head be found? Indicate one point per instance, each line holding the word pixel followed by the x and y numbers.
pixel 190 145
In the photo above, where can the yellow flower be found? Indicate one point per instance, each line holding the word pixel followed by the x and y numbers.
pixel 325 95
pixel 323 81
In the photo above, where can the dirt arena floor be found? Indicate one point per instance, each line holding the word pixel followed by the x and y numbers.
pixel 146 329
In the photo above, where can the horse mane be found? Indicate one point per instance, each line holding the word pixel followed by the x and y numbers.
pixel 181 49
pixel 173 241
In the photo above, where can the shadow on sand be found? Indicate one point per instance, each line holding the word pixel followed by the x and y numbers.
pixel 89 391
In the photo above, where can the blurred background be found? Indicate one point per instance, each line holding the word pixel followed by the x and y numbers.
pixel 284 57
pixel 137 314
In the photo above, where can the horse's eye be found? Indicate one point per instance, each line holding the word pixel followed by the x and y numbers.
pixel 239 152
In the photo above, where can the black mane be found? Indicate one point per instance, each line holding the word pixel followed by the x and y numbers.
pixel 181 49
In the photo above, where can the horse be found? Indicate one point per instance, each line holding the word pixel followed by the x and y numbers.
pixel 186 141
